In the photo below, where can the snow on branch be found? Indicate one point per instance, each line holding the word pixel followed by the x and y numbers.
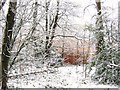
pixel 2 4
pixel 115 65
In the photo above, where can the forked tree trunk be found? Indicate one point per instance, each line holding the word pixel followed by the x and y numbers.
pixel 6 48
pixel 50 28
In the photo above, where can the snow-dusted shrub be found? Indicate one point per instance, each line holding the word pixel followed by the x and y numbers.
pixel 107 66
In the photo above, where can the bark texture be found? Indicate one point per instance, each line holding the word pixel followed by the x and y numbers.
pixel 6 44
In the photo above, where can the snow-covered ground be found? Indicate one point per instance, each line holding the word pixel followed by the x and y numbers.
pixel 62 77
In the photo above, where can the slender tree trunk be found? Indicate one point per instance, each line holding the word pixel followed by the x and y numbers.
pixel 55 20
pixel 99 27
pixel 6 47
pixel 63 44
pixel 50 27
pixel 119 26
pixel 0 68
pixel 46 31
pixel 35 22
pixel 119 36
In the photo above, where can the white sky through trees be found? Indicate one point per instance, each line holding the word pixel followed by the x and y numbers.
pixel 85 16
pixel 89 12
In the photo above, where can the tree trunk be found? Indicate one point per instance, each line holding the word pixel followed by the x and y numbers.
pixel 46 31
pixel 6 47
pixel 52 27
pixel 119 26
pixel 0 68
pixel 99 27
pixel 118 37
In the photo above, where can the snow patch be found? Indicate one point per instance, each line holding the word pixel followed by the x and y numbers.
pixel 61 77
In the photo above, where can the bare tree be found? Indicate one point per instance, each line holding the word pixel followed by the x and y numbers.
pixel 6 44
pixel 51 25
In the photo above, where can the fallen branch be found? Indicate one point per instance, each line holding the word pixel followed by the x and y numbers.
pixel 26 74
